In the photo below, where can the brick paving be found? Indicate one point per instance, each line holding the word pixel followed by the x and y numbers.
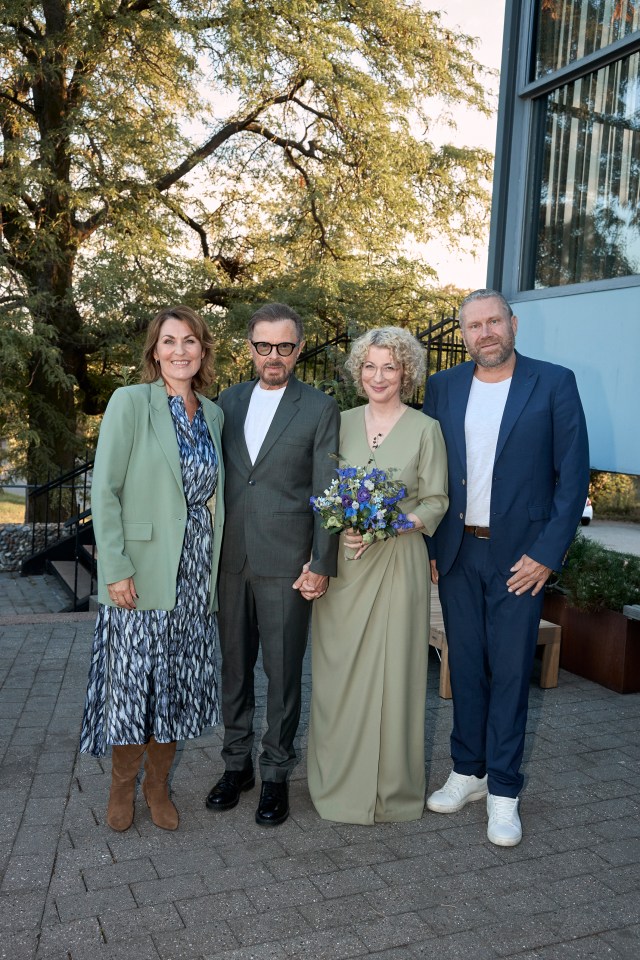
pixel 221 887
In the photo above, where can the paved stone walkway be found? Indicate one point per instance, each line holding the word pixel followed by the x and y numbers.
pixel 222 887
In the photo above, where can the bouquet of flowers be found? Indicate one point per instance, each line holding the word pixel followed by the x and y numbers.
pixel 366 501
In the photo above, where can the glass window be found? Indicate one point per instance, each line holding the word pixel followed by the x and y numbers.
pixel 589 186
pixel 570 29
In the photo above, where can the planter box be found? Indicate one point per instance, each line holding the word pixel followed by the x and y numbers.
pixel 603 647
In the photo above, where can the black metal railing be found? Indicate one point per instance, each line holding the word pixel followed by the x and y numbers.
pixel 443 344
pixel 49 505
pixel 81 528
pixel 323 361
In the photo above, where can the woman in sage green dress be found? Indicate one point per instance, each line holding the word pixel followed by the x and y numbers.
pixel 370 630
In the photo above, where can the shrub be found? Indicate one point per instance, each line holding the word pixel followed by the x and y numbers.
pixel 596 578
pixel 614 494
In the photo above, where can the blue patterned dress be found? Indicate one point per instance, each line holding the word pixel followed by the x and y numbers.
pixel 154 671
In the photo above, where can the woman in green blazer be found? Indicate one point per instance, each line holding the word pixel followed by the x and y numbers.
pixel 158 511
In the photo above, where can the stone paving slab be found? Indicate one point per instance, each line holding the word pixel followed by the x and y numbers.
pixel 222 888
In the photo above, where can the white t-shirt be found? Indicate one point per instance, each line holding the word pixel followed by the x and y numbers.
pixel 481 428
pixel 262 410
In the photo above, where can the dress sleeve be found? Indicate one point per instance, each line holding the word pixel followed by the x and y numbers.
pixel 432 477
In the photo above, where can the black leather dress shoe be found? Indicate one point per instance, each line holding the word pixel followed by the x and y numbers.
pixel 273 808
pixel 227 790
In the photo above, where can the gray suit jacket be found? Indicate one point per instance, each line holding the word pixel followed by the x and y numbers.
pixel 268 517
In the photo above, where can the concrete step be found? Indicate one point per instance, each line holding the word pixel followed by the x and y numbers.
pixel 65 570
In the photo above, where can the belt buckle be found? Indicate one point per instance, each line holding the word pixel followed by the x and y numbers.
pixel 480 536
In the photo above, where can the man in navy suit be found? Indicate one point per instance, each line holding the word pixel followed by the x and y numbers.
pixel 518 479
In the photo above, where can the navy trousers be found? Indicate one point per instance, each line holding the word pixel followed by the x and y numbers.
pixel 492 636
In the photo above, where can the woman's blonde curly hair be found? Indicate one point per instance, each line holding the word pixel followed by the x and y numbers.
pixel 404 349
pixel 150 370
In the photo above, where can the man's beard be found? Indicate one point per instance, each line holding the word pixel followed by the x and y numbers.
pixel 495 359
pixel 275 376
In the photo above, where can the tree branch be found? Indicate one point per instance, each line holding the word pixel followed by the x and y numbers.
pixel 17 102
pixel 317 113
pixel 314 210
pixel 225 133
pixel 285 143
pixel 190 222
pixel 29 203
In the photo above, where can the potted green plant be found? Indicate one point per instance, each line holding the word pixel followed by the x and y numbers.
pixel 586 599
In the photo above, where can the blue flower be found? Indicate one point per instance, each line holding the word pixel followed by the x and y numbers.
pixel 364 500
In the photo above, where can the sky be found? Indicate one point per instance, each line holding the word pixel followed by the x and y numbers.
pixel 484 20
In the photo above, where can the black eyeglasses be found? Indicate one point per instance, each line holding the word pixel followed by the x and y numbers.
pixel 264 349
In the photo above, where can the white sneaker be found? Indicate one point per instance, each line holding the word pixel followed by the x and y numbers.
pixel 504 829
pixel 457 792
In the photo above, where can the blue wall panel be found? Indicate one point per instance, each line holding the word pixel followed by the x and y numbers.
pixel 597 335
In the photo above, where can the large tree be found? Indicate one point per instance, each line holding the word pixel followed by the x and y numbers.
pixel 215 152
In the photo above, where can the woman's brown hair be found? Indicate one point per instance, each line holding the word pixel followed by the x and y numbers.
pixel 150 372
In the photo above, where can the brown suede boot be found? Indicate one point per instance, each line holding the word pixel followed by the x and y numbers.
pixel 157 764
pixel 125 763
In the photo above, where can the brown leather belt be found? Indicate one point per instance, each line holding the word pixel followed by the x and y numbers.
pixel 482 533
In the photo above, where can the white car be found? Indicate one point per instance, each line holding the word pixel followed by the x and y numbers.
pixel 587 513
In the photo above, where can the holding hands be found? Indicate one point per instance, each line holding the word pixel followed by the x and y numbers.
pixel 311 585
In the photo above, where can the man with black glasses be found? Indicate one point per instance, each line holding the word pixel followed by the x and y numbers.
pixel 277 441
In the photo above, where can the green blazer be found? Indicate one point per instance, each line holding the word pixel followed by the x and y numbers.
pixel 137 499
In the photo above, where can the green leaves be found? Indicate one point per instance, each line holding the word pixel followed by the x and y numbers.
pixel 596 578
pixel 219 153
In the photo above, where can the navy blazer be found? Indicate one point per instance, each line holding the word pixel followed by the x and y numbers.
pixel 541 468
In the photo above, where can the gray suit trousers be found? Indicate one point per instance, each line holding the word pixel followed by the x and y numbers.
pixel 263 612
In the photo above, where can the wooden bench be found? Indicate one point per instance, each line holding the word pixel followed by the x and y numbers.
pixel 549 634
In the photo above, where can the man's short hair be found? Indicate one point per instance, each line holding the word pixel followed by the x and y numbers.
pixel 486 295
pixel 272 312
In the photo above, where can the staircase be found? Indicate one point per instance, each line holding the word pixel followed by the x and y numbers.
pixel 69 552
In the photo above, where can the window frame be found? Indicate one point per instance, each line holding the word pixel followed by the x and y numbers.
pixel 520 136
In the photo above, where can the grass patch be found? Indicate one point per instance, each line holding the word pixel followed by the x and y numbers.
pixel 11 508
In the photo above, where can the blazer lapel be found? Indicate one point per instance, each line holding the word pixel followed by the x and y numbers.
pixel 522 383
pixel 163 426
pixel 235 416
pixel 212 420
pixel 459 389
pixel 287 409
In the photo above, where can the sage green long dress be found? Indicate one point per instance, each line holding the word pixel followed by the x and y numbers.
pixel 369 641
